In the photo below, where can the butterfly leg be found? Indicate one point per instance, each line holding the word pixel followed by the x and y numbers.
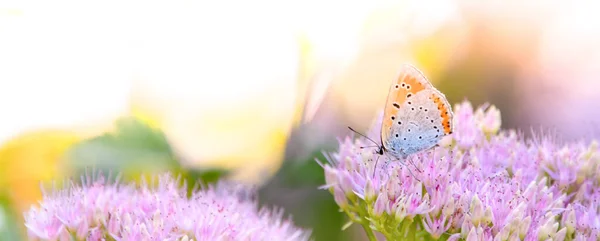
pixel 384 167
pixel 411 162
pixel 411 173
pixel 375 167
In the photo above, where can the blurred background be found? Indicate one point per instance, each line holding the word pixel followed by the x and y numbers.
pixel 256 90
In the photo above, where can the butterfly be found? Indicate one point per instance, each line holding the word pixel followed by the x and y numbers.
pixel 416 116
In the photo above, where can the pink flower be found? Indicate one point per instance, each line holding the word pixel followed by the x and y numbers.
pixel 160 210
pixel 490 185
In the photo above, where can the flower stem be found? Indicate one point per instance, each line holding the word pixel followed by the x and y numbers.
pixel 369 232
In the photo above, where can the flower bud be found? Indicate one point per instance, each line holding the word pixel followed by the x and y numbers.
pixel 448 209
pixel 488 216
pixel 340 198
pixel 491 121
pixel 524 227
pixel 570 222
pixel 380 205
pixel 347 184
pixel 331 175
pixel 400 210
pixel 466 226
pixel 561 234
pixel 475 234
pixel 454 237
pixel 503 234
pixel 369 191
pixel 476 210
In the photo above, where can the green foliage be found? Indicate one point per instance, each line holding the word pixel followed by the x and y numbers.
pixel 8 221
pixel 296 188
pixel 303 172
pixel 133 149
pixel 131 145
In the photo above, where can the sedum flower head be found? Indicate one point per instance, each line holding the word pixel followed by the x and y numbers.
pixel 100 210
pixel 480 184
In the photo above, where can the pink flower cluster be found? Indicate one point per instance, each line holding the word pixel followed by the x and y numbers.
pixel 480 184
pixel 102 210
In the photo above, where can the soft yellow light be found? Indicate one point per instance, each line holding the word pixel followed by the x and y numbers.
pixel 221 81
pixel 225 80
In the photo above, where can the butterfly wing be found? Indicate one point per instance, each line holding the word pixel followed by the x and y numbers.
pixel 410 81
pixel 445 111
pixel 423 120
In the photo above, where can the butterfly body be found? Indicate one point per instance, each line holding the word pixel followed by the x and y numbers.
pixel 416 115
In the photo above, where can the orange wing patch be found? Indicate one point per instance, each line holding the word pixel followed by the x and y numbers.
pixel 410 82
pixel 445 113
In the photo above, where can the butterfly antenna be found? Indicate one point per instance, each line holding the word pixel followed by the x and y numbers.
pixel 374 142
pixel 363 147
pixel 376 145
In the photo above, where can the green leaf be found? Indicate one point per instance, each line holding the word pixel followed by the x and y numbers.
pixel 205 176
pixel 298 173
pixel 8 221
pixel 132 147
pixel 296 189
